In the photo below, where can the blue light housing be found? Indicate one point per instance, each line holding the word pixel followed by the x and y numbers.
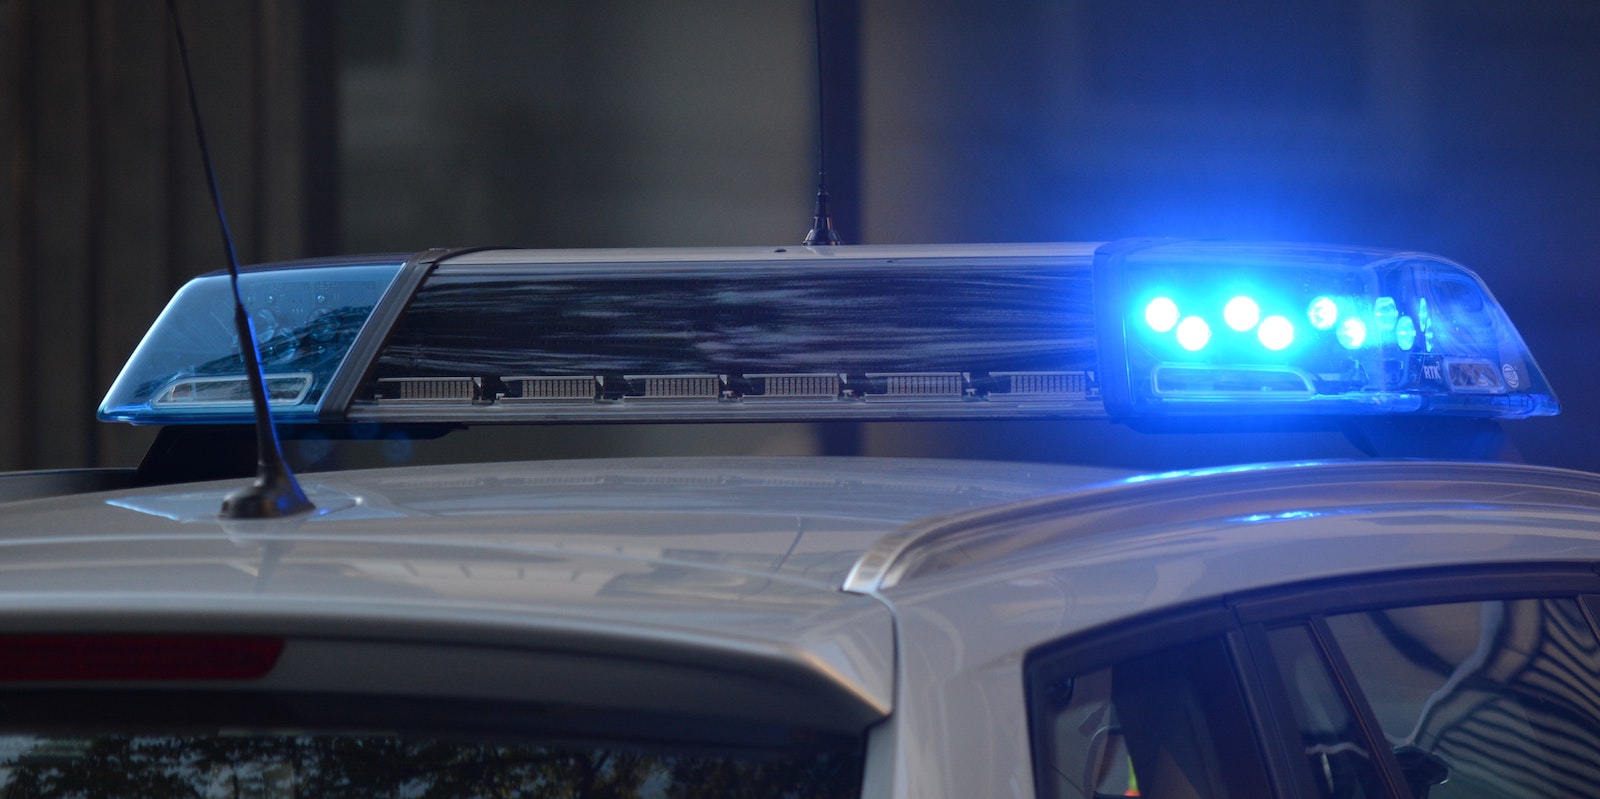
pixel 1384 333
pixel 187 370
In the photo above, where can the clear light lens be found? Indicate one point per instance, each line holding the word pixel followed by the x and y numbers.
pixel 1323 312
pixel 1193 333
pixel 1241 313
pixel 1384 314
pixel 1425 323
pixel 1405 333
pixel 1161 314
pixel 1276 333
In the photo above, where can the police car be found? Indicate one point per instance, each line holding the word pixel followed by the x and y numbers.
pixel 1279 548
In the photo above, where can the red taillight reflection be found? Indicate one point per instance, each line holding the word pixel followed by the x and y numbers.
pixel 136 657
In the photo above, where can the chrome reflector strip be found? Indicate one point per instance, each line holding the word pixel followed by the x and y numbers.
pixel 551 389
pixel 933 385
pixel 426 389
pixel 802 386
pixel 676 386
pixel 1042 385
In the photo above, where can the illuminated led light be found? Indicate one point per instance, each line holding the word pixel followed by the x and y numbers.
pixel 1193 333
pixel 1161 314
pixel 1405 333
pixel 1276 333
pixel 1352 333
pixel 1241 313
pixel 1323 312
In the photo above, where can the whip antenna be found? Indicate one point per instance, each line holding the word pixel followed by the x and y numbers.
pixel 275 493
pixel 822 231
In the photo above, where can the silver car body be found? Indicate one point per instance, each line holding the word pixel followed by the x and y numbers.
pixel 891 598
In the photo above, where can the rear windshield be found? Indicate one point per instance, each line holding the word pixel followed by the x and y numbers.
pixel 274 764
pixel 269 745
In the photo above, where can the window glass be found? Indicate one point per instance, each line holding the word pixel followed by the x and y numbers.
pixel 269 766
pixel 1167 724
pixel 1341 761
pixel 1486 699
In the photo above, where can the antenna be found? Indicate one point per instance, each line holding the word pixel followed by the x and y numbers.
pixel 275 493
pixel 822 231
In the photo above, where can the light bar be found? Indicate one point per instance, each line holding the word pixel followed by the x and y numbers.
pixel 1212 328
pixel 1127 330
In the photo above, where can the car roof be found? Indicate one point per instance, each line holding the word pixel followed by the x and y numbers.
pixel 633 545
pixel 802 520
pixel 717 561
pixel 1108 554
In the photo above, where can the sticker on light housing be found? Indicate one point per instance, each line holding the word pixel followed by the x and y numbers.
pixel 1187 327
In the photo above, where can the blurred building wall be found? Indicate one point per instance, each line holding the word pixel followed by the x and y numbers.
pixel 104 209
pixel 574 124
pixel 1465 127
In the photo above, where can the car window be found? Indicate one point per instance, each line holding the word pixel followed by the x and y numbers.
pixel 1497 698
pixel 1341 762
pixel 1171 723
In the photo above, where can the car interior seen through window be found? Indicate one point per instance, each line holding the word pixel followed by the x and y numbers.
pixel 1499 694
pixel 1455 700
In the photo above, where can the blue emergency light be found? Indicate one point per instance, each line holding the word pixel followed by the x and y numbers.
pixel 1187 327
pixel 188 370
